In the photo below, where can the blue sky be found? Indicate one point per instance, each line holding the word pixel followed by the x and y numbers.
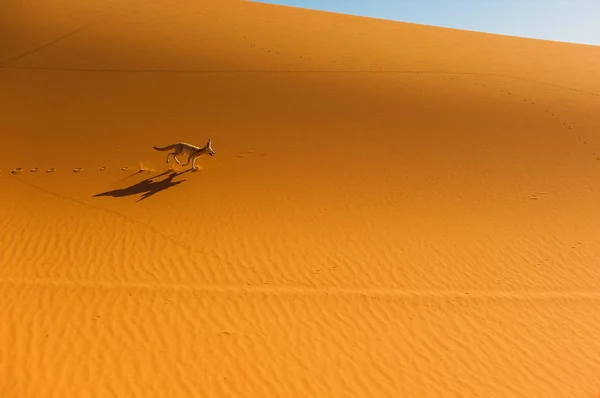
pixel 576 21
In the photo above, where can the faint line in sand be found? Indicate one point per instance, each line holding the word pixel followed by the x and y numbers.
pixel 6 62
pixel 39 48
pixel 283 71
pixel 131 220
pixel 286 290
pixel 376 294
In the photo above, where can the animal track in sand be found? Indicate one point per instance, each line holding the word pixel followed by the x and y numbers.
pixel 75 170
pixel 268 50
pixel 565 124
pixel 536 196
pixel 568 126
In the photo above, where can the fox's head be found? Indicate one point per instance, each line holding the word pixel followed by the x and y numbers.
pixel 209 149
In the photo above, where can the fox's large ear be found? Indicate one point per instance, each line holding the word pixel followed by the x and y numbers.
pixel 208 143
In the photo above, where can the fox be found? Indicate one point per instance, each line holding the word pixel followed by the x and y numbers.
pixel 192 151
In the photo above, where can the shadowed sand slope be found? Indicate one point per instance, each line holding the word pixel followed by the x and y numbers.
pixel 393 209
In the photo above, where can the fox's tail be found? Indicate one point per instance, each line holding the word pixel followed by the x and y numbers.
pixel 166 148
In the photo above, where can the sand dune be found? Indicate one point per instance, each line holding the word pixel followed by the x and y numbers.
pixel 393 210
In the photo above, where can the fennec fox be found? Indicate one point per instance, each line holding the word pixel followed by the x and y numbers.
pixel 192 151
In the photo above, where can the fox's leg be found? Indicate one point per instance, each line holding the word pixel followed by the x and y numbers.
pixel 190 157
pixel 174 157
pixel 194 163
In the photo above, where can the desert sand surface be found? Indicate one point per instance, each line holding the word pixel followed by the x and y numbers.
pixel 393 210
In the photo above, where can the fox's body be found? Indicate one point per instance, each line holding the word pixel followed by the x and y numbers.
pixel 192 151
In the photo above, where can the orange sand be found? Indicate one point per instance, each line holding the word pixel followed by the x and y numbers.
pixel 394 210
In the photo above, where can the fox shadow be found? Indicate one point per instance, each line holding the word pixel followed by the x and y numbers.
pixel 147 187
